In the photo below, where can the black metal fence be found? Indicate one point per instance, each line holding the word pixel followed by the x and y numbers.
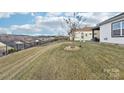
pixel 18 47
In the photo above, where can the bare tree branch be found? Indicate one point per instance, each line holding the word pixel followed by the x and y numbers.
pixel 74 23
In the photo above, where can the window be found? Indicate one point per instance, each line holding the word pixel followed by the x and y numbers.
pixel 116 29
pixel 82 35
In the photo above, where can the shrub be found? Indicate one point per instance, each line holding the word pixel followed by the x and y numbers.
pixel 11 50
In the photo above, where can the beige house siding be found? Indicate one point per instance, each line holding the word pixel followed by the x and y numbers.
pixel 83 35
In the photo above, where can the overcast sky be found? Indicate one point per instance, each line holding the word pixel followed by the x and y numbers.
pixel 45 23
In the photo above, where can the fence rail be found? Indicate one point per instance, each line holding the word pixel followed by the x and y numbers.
pixel 19 47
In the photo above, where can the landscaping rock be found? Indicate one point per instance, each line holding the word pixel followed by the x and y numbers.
pixel 71 48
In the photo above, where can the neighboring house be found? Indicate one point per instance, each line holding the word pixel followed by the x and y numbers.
pixel 3 48
pixel 96 33
pixel 19 45
pixel 37 42
pixel 112 30
pixel 2 44
pixel 84 34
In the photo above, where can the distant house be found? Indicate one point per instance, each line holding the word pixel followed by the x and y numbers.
pixel 19 45
pixel 2 44
pixel 3 48
pixel 37 42
pixel 112 30
pixel 84 34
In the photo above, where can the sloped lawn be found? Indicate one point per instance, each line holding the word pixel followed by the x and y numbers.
pixel 92 61
pixel 87 63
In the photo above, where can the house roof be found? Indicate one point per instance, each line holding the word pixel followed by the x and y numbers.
pixel 86 28
pixel 121 15
pixel 96 28
pixel 19 42
pixel 2 44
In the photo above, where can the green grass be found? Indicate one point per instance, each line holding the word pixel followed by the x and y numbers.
pixel 53 62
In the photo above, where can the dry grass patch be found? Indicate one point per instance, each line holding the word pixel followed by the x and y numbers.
pixel 52 62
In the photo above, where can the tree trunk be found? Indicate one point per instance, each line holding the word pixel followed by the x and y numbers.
pixel 73 37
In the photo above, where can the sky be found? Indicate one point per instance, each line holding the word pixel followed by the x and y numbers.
pixel 45 23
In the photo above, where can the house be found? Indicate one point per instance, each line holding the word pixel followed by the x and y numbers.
pixel 37 42
pixel 112 30
pixel 19 45
pixel 96 33
pixel 4 48
pixel 2 45
pixel 84 34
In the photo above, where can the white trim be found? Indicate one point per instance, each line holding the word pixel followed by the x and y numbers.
pixel 121 21
pixel 121 28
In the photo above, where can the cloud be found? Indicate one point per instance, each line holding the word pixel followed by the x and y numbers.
pixel 68 14
pixel 49 24
pixel 32 14
pixel 22 27
pixel 94 18
pixel 5 31
pixel 53 14
pixel 25 29
pixel 5 15
pixel 38 21
pixel 52 23
pixel 9 14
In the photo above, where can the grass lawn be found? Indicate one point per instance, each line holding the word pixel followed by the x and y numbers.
pixel 53 62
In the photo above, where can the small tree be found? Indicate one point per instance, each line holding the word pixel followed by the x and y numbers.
pixel 74 23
